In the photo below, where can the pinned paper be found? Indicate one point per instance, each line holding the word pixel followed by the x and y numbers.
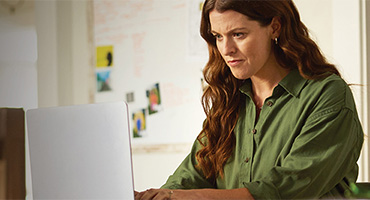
pixel 102 80
pixel 154 99
pixel 139 123
pixel 104 56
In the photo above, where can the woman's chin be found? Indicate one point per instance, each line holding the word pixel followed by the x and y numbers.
pixel 240 76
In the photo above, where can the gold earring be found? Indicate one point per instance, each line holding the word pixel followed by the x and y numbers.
pixel 276 41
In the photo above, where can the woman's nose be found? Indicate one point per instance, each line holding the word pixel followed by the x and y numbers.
pixel 228 47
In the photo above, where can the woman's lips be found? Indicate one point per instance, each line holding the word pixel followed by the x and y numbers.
pixel 233 63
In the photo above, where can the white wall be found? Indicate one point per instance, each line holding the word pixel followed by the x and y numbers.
pixel 64 46
pixel 18 55
pixel 319 21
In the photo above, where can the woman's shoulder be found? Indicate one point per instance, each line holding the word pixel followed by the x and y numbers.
pixel 331 80
pixel 329 91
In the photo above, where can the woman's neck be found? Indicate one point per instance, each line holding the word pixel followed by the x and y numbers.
pixel 264 82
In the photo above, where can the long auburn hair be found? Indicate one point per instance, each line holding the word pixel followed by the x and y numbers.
pixel 222 100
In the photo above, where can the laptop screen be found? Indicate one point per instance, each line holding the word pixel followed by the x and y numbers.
pixel 81 152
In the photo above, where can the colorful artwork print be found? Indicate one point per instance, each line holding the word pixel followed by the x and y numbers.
pixel 104 56
pixel 102 80
pixel 154 99
pixel 139 123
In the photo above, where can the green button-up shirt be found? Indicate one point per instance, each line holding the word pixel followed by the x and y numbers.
pixel 305 143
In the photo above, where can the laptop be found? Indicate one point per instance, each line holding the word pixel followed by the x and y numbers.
pixel 80 152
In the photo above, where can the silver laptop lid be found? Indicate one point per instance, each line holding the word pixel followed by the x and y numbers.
pixel 81 152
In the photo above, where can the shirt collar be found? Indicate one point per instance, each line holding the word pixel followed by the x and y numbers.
pixel 246 88
pixel 293 83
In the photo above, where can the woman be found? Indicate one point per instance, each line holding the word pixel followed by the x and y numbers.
pixel 281 123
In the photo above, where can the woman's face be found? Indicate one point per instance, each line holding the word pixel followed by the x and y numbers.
pixel 244 44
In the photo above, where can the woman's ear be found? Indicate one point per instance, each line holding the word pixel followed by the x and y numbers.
pixel 275 27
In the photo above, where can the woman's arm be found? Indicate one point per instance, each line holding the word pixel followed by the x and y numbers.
pixel 187 176
pixel 241 193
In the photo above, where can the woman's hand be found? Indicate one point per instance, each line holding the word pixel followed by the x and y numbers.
pixel 167 194
pixel 154 194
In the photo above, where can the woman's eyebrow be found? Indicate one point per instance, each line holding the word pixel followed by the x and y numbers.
pixel 230 31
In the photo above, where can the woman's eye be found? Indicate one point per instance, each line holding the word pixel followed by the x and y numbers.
pixel 238 35
pixel 217 36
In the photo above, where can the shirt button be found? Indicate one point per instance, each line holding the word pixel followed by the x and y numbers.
pixel 254 131
pixel 246 160
pixel 269 103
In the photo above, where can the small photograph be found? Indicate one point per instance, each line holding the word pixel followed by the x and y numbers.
pixel 104 56
pixel 139 123
pixel 154 99
pixel 102 80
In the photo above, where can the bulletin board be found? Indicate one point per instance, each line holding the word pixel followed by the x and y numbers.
pixel 150 54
